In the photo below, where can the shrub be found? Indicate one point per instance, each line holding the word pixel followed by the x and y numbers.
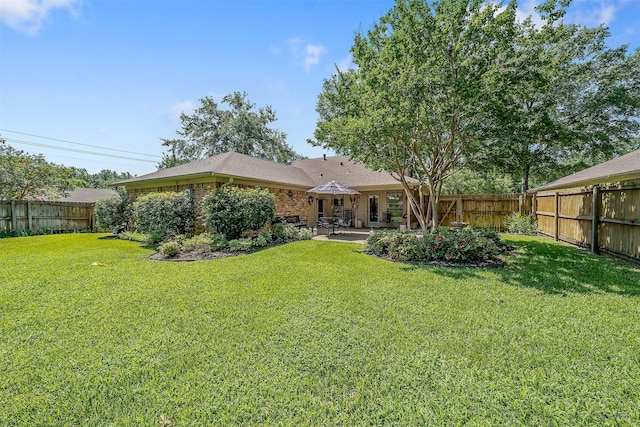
pixel 218 242
pixel 521 224
pixel 283 232
pixel 146 238
pixel 379 242
pixel 165 214
pixel 113 211
pixel 260 242
pixel 444 245
pixel 232 210
pixel 202 244
pixel 268 236
pixel 170 248
pixel 239 245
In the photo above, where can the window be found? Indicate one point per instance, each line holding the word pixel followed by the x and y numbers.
pixel 395 207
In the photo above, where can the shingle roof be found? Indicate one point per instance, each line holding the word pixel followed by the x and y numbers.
pixel 302 173
pixel 232 164
pixel 619 169
pixel 345 171
pixel 88 195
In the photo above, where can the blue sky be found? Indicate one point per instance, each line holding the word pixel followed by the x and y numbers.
pixel 117 73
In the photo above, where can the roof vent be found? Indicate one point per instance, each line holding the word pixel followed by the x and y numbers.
pixel 324 157
pixel 341 164
pixel 321 174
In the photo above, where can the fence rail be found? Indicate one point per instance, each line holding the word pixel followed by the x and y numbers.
pixel 603 219
pixel 21 215
pixel 484 210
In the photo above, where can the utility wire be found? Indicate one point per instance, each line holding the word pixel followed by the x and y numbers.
pixel 78 143
pixel 75 150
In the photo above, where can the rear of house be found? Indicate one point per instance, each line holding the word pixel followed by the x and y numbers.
pixel 381 202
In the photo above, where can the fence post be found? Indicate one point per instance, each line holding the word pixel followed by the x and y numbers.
pixel 14 219
pixel 556 215
pixel 534 208
pixel 520 204
pixel 29 216
pixel 595 210
pixel 459 212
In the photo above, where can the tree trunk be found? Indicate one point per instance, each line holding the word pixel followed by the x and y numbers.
pixel 434 201
pixel 525 178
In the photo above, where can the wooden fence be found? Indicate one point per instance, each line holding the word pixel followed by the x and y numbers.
pixel 604 218
pixel 485 210
pixel 19 215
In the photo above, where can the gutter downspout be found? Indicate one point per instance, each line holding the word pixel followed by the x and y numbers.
pixel 227 183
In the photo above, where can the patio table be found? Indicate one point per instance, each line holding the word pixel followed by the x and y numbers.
pixel 332 221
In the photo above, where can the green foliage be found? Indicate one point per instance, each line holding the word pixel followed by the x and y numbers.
pixel 241 245
pixel 114 211
pixel 566 99
pixel 242 128
pixel 166 214
pixel 283 232
pixel 419 93
pixel 203 243
pixel 233 210
pixel 552 338
pixel 521 224
pixel 448 245
pixel 24 176
pixel 145 238
pixel 40 232
pixel 102 179
pixel 468 181
pixel 170 248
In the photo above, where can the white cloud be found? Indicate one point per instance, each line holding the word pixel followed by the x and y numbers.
pixel 600 13
pixel 181 107
pixel 305 53
pixel 312 54
pixel 526 9
pixel 590 14
pixel 29 15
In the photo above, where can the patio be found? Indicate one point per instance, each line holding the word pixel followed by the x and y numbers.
pixel 350 235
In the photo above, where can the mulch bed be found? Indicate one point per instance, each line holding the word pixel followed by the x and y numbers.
pixel 192 256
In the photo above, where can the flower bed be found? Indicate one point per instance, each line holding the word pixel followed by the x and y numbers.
pixel 446 245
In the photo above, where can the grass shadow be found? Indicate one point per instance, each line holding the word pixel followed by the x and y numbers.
pixel 557 268
pixel 553 268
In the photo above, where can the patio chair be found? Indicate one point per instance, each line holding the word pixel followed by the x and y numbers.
pixel 344 223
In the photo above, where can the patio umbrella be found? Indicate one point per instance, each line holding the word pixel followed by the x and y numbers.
pixel 333 187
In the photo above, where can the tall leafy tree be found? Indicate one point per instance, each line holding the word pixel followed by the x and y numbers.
pixel 242 128
pixel 102 179
pixel 566 101
pixel 416 103
pixel 24 176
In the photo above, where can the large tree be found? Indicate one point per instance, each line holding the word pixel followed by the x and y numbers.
pixel 102 179
pixel 417 101
pixel 24 176
pixel 242 128
pixel 567 100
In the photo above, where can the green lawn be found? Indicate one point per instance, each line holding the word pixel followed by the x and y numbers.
pixel 314 333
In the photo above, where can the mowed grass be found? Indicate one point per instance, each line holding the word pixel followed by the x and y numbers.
pixel 314 333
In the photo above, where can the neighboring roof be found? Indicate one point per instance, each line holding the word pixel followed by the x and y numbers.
pixel 301 173
pixel 233 165
pixel 88 195
pixel 621 168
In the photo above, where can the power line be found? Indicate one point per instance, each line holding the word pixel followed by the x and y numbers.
pixel 75 150
pixel 78 143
